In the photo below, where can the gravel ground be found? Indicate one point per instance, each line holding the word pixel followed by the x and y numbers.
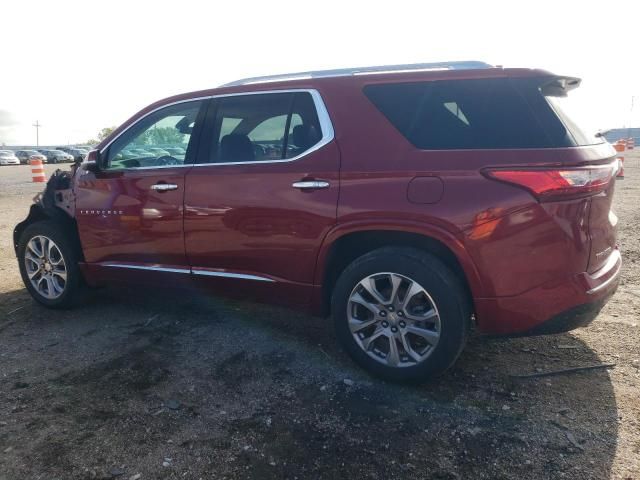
pixel 138 383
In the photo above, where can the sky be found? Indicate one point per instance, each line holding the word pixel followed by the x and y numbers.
pixel 79 66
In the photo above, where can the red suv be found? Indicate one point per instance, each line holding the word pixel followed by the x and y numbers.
pixel 411 202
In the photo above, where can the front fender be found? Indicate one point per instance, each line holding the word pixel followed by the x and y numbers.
pixel 55 203
pixel 36 213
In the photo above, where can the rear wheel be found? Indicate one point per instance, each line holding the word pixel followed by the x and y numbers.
pixel 401 314
pixel 48 265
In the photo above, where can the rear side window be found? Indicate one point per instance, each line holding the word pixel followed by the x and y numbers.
pixel 460 114
pixel 555 109
pixel 264 127
pixel 562 106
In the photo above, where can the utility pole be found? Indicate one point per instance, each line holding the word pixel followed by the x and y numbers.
pixel 37 125
pixel 633 101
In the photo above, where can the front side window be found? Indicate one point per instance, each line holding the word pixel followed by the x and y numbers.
pixel 264 127
pixel 158 140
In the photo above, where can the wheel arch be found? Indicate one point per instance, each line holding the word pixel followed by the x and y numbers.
pixel 343 246
pixel 38 213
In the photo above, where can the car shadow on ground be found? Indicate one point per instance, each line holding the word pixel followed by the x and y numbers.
pixel 245 390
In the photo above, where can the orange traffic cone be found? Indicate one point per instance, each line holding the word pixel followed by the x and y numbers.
pixel 620 147
pixel 37 171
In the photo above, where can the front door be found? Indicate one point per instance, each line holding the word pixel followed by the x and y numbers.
pixel 130 213
pixel 263 195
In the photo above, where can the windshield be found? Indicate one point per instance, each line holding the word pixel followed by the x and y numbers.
pixel 6 154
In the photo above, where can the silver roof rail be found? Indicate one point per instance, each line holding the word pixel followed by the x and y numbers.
pixel 341 72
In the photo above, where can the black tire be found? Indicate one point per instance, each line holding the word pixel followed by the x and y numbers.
pixel 74 285
pixel 443 286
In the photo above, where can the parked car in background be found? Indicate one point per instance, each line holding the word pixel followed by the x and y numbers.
pixel 77 154
pixel 57 156
pixel 409 202
pixel 26 155
pixel 7 157
pixel 142 152
pixel 159 152
pixel 175 151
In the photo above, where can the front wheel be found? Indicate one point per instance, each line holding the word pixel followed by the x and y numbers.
pixel 401 314
pixel 49 265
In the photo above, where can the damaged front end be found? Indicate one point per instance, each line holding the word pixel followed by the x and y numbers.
pixel 56 203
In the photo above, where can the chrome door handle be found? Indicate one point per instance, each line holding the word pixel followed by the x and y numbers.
pixel 311 184
pixel 164 187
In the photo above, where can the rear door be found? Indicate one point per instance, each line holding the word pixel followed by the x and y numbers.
pixel 263 195
pixel 130 214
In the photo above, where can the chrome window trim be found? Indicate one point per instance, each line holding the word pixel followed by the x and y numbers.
pixel 326 126
pixel 177 102
pixel 242 276
pixel 158 167
pixel 145 267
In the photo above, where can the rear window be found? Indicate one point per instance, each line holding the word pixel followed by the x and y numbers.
pixel 556 110
pixel 564 108
pixel 460 114
pixel 480 114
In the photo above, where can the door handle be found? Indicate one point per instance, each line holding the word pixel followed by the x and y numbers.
pixel 311 184
pixel 164 187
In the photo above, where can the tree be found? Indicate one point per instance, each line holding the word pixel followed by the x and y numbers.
pixel 164 135
pixel 102 134
pixel 105 132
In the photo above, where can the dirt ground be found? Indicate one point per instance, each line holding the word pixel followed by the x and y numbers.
pixel 145 384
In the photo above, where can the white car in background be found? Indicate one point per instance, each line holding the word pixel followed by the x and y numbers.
pixel 7 157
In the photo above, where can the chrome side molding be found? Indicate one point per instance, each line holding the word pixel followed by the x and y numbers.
pixel 242 276
pixel 194 271
pixel 145 267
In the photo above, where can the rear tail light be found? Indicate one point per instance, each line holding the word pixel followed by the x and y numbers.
pixel 558 183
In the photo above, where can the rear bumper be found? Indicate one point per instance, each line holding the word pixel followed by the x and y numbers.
pixel 571 319
pixel 555 307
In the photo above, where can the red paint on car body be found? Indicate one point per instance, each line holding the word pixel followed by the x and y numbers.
pixel 524 261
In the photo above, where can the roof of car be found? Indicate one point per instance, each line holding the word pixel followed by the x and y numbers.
pixel 379 69
pixel 373 74
pixel 382 73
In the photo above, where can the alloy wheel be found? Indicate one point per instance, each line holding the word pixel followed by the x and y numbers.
pixel 393 319
pixel 45 267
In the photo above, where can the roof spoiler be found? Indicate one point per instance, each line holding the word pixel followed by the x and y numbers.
pixel 560 86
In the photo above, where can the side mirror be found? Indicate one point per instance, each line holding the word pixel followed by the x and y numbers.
pixel 92 162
